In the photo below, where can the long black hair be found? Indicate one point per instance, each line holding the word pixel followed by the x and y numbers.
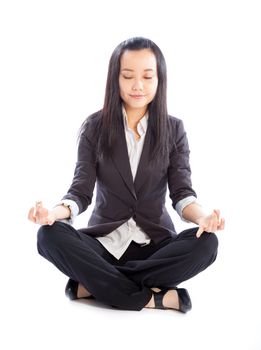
pixel 111 114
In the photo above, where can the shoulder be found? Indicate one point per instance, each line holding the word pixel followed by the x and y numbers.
pixel 174 121
pixel 90 127
pixel 93 119
pixel 176 126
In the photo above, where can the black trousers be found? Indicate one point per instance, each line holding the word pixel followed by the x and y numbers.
pixel 126 283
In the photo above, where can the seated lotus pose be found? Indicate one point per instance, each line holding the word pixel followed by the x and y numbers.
pixel 130 255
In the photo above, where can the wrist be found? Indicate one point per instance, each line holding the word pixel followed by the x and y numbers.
pixel 194 213
pixel 61 211
pixel 199 219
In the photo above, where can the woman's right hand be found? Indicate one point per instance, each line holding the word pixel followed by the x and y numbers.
pixel 41 215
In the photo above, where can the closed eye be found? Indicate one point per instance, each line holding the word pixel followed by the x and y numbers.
pixel 125 77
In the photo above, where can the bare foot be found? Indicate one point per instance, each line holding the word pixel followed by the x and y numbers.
pixel 82 292
pixel 170 299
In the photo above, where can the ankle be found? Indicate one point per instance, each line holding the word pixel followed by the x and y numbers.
pixel 82 292
pixel 151 303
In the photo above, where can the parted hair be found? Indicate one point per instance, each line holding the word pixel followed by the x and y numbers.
pixel 111 114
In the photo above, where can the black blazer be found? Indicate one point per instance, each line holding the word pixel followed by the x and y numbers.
pixel 118 198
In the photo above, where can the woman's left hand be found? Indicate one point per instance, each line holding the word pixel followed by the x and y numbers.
pixel 210 223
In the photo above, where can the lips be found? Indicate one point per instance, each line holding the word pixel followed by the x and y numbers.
pixel 137 96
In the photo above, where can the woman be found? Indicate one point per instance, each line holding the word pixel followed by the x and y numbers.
pixel 130 255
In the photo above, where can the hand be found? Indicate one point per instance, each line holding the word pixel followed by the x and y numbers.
pixel 41 215
pixel 210 223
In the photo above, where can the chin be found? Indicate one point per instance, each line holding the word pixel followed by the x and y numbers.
pixel 138 104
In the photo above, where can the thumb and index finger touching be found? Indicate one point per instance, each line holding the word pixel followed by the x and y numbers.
pixel 215 215
pixel 34 211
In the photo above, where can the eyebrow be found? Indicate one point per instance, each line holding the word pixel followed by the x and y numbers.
pixel 132 70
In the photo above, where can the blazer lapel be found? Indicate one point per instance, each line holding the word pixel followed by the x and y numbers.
pixel 122 163
pixel 140 177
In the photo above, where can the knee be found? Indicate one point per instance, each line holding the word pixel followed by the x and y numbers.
pixel 43 236
pixel 209 244
pixel 47 236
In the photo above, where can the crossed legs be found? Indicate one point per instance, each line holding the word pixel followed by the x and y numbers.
pixel 126 285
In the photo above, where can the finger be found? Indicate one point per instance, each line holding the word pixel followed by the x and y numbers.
pixel 40 212
pixel 222 224
pixel 50 222
pixel 213 223
pixel 199 231
pixel 209 226
pixel 217 221
pixel 217 212
pixel 31 216
pixel 38 205
pixel 216 226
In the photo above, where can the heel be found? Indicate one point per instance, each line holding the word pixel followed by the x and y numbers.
pixel 71 289
pixel 184 300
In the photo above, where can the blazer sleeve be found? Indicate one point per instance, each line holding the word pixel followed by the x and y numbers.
pixel 179 172
pixel 81 189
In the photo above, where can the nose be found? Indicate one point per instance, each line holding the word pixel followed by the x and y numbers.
pixel 137 85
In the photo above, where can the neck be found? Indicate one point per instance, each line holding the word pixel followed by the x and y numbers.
pixel 134 115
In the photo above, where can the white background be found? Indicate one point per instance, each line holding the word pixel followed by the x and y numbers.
pixel 54 57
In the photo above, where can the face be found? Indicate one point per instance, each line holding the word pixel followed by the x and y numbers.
pixel 138 79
